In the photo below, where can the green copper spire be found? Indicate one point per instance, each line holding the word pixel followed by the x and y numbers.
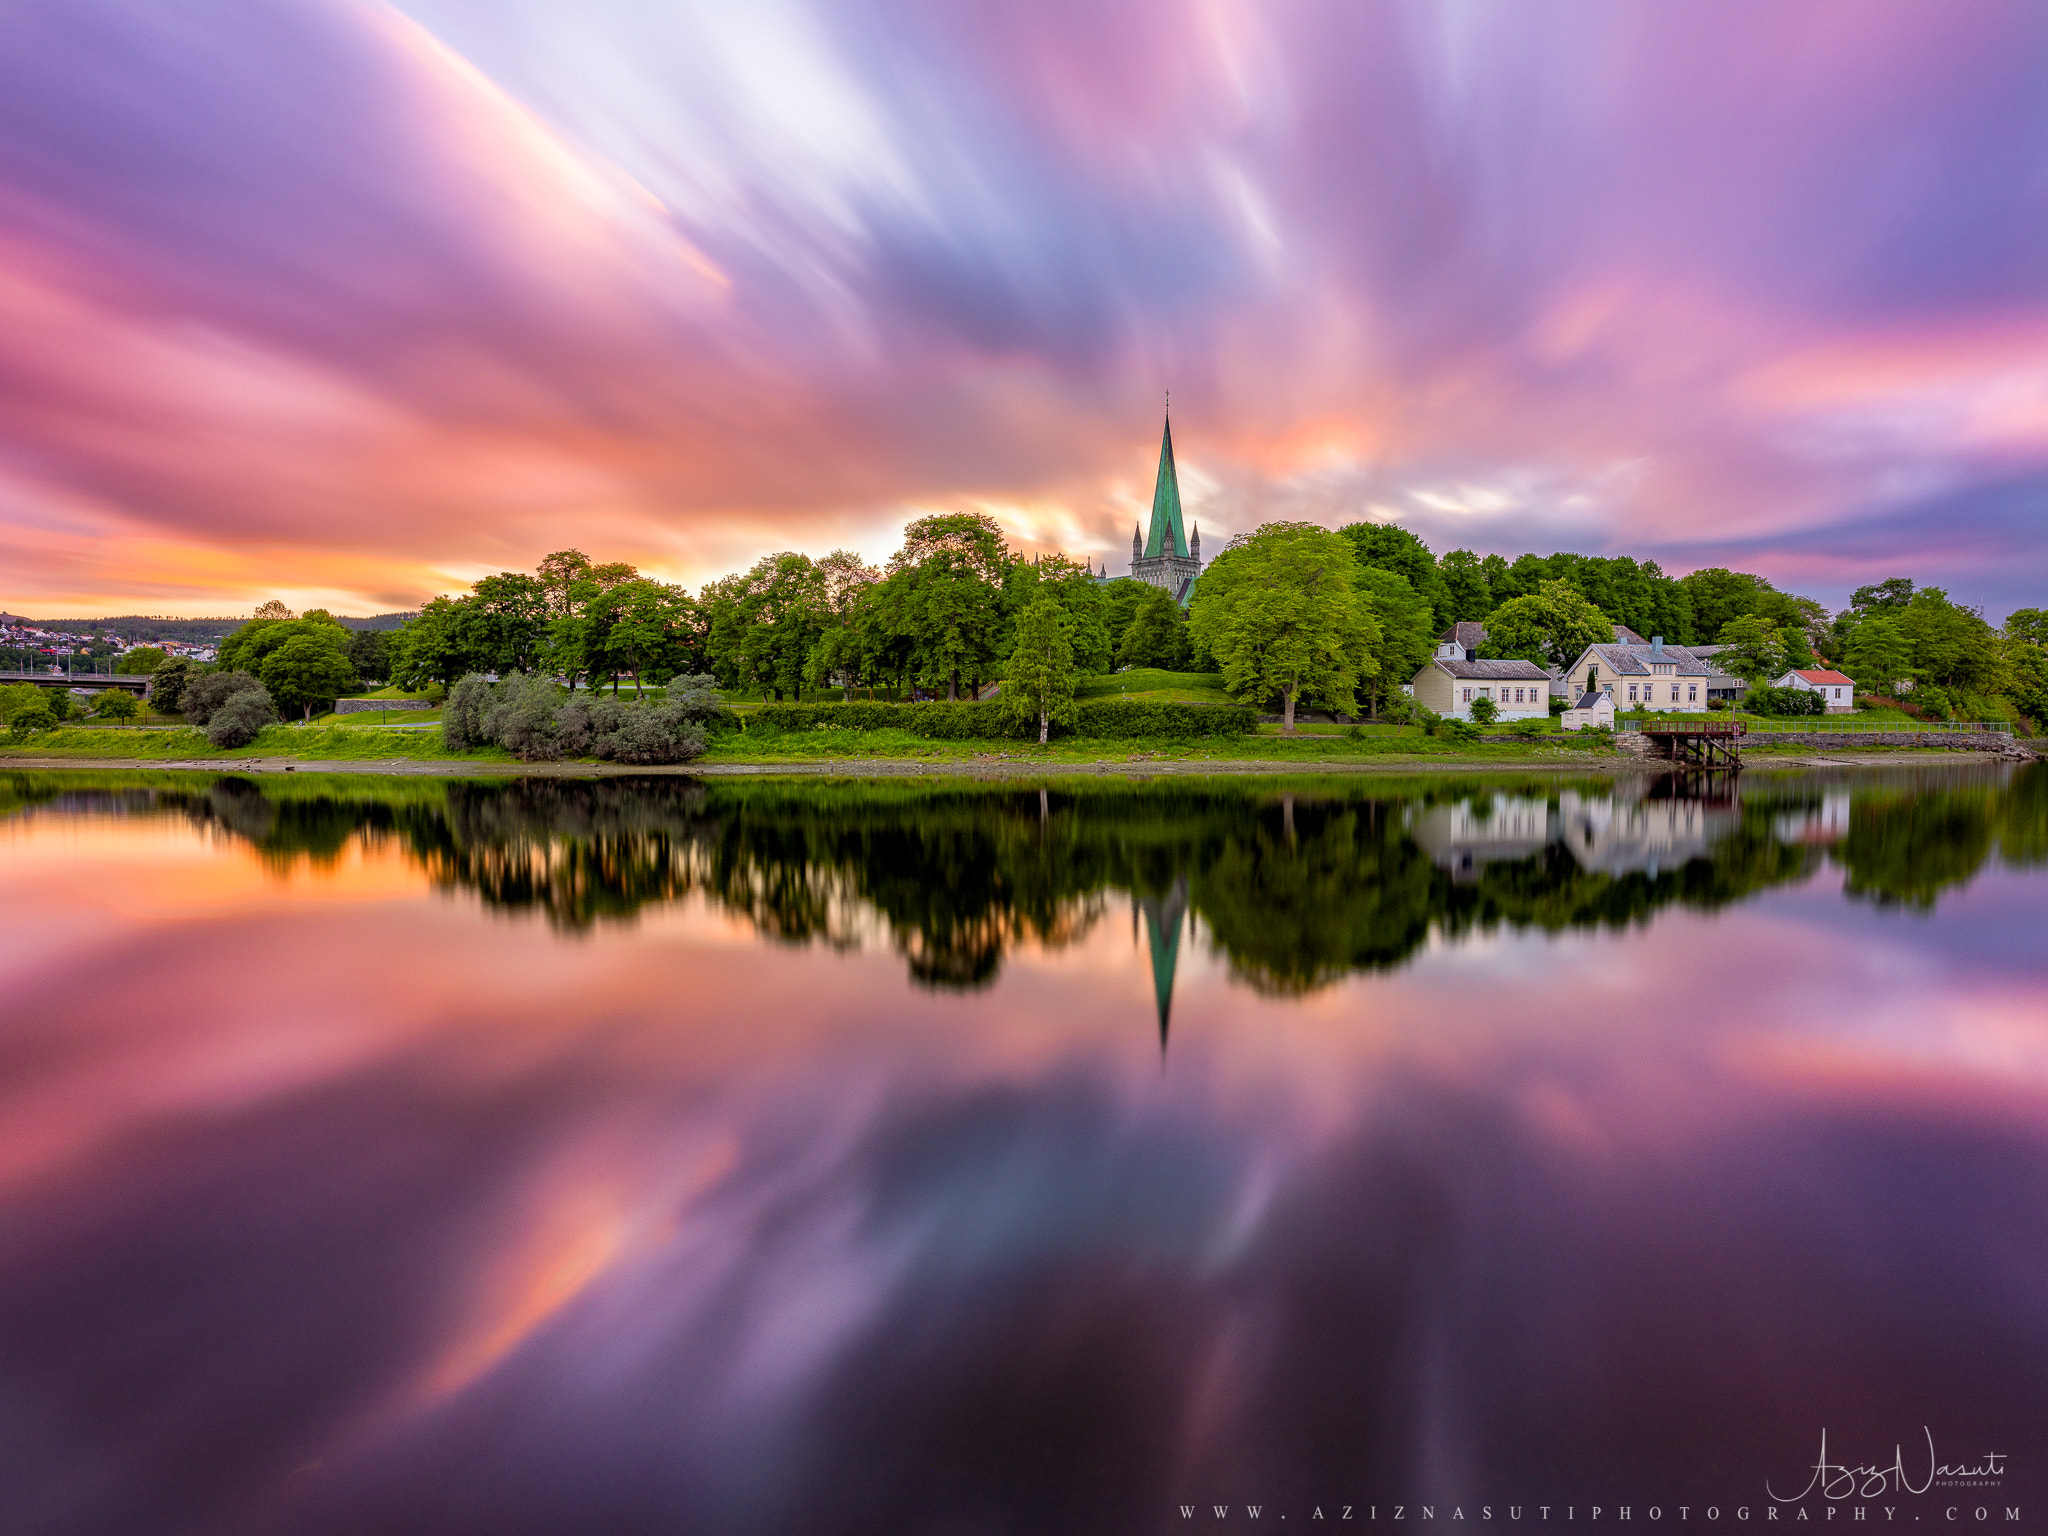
pixel 1166 536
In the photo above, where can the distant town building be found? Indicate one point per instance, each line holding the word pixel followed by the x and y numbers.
pixel 1164 556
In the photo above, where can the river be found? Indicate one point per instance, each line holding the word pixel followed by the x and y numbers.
pixel 562 1156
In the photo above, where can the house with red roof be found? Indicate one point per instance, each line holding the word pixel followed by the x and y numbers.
pixel 1837 691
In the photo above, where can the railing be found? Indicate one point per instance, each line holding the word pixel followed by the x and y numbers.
pixel 1805 724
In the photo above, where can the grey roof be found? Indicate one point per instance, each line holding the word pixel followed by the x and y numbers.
pixel 1590 698
pixel 1510 671
pixel 1623 635
pixel 1465 633
pixel 1634 660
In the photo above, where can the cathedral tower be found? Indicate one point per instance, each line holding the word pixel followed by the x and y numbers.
pixel 1165 557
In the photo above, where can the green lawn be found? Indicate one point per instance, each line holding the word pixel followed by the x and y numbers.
pixel 1156 686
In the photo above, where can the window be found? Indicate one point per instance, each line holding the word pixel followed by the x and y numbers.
pixel 1674 693
pixel 1692 693
pixel 1468 695
pixel 1631 693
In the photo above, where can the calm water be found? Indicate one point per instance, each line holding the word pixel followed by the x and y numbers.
pixel 619 1156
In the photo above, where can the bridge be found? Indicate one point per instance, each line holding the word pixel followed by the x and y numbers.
pixel 1699 743
pixel 135 683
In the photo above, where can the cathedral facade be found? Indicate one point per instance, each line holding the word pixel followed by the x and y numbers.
pixel 1164 555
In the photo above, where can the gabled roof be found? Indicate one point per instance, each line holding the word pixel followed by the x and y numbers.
pixel 1592 697
pixel 1510 671
pixel 1821 677
pixel 1466 634
pixel 1637 660
pixel 1623 635
pixel 1166 536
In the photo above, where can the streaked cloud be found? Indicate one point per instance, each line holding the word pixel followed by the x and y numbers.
pixel 353 301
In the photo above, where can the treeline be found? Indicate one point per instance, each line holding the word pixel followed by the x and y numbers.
pixel 1288 613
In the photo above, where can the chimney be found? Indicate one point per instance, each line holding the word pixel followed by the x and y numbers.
pixel 1656 645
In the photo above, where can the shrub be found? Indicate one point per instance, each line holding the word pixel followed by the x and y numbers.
pixel 205 696
pixel 1559 703
pixel 1784 701
pixel 1484 710
pixel 652 733
pixel 117 704
pixel 241 718
pixel 30 718
pixel 462 719
pixel 1430 721
pixel 1527 728
pixel 522 717
pixel 61 704
pixel 1463 732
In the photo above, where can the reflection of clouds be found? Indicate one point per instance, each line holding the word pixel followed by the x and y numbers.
pixel 484 1228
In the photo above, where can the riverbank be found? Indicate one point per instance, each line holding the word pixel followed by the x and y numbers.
pixel 1576 763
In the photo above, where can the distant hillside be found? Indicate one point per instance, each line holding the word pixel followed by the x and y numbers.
pixel 134 626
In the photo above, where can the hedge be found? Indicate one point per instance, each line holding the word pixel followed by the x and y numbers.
pixel 985 720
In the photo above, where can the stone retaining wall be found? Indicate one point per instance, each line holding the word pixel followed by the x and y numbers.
pixel 1937 741
pixel 358 706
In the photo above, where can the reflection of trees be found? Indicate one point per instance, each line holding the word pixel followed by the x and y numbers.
pixel 1295 888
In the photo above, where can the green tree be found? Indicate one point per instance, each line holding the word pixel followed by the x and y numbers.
pixel 1280 611
pixel 1552 626
pixel 167 685
pixel 943 593
pixel 116 704
pixel 1074 587
pixel 310 668
pixel 1465 589
pixel 2026 660
pixel 369 652
pixel 1392 548
pixel 1953 647
pixel 1753 653
pixel 1039 679
pixel 32 717
pixel 1484 711
pixel 508 616
pixel 141 661
pixel 434 646
pixel 1408 630
pixel 1157 635
pixel 841 649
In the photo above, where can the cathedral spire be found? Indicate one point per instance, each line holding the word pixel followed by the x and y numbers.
pixel 1166 536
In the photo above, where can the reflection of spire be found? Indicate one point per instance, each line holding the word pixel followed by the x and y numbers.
pixel 1163 919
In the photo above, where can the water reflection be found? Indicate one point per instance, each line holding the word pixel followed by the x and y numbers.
pixel 613 1156
pixel 1297 886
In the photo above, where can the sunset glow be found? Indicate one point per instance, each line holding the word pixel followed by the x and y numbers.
pixel 350 303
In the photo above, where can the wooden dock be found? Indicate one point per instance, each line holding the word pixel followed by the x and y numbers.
pixel 1700 743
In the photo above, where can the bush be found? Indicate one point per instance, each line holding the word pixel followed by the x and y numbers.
pixel 1111 719
pixel 1430 721
pixel 462 718
pixel 1528 728
pixel 1463 732
pixel 1484 710
pixel 27 719
pixel 522 717
pixel 205 696
pixel 652 733
pixel 116 704
pixel 241 718
pixel 61 704
pixel 1717 706
pixel 1559 703
pixel 1789 702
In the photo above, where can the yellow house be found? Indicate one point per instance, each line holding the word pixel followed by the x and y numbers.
pixel 1665 678
pixel 1520 690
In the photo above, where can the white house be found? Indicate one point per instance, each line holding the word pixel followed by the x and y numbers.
pixel 1837 691
pixel 1460 642
pixel 1520 690
pixel 1592 711
pixel 1660 677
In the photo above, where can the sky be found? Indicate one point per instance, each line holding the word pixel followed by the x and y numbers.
pixel 351 303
